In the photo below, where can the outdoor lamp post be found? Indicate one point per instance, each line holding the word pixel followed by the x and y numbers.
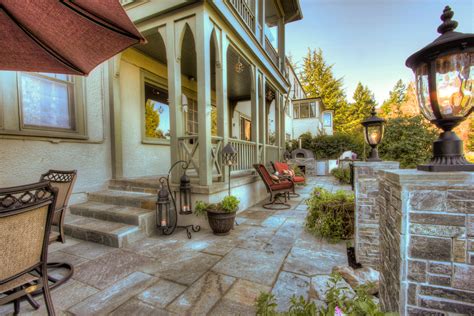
pixel 373 131
pixel 185 195
pixel 229 157
pixel 163 207
pixel 444 74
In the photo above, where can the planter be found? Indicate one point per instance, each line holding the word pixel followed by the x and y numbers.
pixel 221 223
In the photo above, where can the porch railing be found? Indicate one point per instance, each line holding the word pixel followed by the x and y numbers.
pixel 246 154
pixel 245 12
pixel 271 51
pixel 273 153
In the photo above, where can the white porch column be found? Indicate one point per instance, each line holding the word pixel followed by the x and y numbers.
pixel 254 98
pixel 281 44
pixel 222 98
pixel 262 118
pixel 282 124
pixel 278 119
pixel 174 88
pixel 203 56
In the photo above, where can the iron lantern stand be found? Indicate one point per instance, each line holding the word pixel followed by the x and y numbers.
pixel 445 88
pixel 167 228
pixel 229 157
pixel 373 132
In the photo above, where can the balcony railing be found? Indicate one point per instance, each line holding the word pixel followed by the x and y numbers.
pixel 273 153
pixel 245 12
pixel 271 51
pixel 246 154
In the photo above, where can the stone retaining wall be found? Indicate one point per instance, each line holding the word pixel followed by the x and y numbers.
pixel 427 242
pixel 366 189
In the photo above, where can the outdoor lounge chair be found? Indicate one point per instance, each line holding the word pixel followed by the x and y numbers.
pixel 278 188
pixel 284 169
pixel 64 182
pixel 26 213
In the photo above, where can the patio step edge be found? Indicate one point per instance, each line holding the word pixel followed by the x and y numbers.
pixel 124 198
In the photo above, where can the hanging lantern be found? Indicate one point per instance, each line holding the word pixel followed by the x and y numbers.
pixel 239 67
pixel 163 208
pixel 444 74
pixel 373 131
pixel 185 195
pixel 229 155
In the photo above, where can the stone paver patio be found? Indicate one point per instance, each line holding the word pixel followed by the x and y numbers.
pixel 215 275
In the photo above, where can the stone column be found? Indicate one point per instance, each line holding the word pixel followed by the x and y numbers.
pixel 366 190
pixel 427 242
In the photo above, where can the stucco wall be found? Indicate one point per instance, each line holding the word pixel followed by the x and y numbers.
pixel 24 160
pixel 138 159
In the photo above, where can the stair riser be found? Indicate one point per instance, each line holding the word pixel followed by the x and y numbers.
pixel 132 188
pixel 103 238
pixel 123 201
pixel 146 222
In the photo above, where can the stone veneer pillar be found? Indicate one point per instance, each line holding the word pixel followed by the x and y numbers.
pixel 427 242
pixel 366 189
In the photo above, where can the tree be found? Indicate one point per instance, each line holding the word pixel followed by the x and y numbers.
pixel 152 121
pixel 470 135
pixel 393 106
pixel 364 101
pixel 318 80
pixel 408 140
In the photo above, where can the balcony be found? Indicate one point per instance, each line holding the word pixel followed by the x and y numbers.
pixel 245 12
pixel 271 51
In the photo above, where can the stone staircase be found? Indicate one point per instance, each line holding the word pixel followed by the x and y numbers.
pixel 115 217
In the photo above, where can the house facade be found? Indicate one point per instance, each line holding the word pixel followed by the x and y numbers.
pixel 212 73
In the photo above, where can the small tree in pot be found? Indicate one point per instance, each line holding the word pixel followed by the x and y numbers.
pixel 221 216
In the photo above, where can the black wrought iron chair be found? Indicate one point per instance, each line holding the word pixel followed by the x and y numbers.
pixel 26 213
pixel 279 189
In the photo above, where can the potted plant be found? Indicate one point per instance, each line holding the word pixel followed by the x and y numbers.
pixel 221 216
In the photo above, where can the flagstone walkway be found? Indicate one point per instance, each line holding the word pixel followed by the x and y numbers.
pixel 215 275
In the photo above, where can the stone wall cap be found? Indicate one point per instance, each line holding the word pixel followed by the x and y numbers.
pixel 376 163
pixel 428 178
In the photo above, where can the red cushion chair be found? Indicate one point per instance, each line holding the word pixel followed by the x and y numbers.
pixel 278 189
pixel 284 168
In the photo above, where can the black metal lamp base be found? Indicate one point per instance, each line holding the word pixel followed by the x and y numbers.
pixel 189 228
pixel 446 168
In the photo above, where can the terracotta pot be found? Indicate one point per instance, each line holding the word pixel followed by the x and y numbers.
pixel 221 223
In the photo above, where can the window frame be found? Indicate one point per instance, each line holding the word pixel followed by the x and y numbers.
pixel 243 118
pixel 161 83
pixel 12 112
pixel 332 118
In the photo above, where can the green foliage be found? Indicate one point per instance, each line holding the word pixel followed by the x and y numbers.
pixel 470 135
pixel 318 80
pixel 330 215
pixel 337 301
pixel 358 111
pixel 407 140
pixel 228 204
pixel 342 174
pixel 331 146
pixel 392 106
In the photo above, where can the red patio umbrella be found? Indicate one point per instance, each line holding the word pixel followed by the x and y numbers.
pixel 65 36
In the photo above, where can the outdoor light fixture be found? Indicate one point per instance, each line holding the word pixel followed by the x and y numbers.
pixel 373 131
pixel 239 67
pixel 444 73
pixel 184 103
pixel 167 219
pixel 229 157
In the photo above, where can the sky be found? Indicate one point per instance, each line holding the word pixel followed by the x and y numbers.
pixel 368 41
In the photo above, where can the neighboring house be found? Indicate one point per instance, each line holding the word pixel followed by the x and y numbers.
pixel 303 114
pixel 212 72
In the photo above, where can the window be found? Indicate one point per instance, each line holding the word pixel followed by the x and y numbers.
pixel 192 117
pixel 42 104
pixel 245 129
pixel 296 111
pixel 157 112
pixel 327 119
pixel 312 109
pixel 304 110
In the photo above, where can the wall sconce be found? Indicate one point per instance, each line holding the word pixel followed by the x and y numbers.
pixel 184 103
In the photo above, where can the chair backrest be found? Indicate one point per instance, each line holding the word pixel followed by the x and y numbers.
pixel 264 174
pixel 280 166
pixel 64 182
pixel 25 222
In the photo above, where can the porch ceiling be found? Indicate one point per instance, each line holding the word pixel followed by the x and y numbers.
pixel 238 84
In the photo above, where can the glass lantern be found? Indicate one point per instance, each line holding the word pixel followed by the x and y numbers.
pixel 185 195
pixel 373 132
pixel 444 75
pixel 163 208
pixel 229 155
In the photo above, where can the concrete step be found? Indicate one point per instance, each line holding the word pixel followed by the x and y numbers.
pixel 125 198
pixel 103 232
pixel 144 184
pixel 144 218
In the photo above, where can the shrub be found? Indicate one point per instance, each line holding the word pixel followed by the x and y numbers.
pixel 361 303
pixel 342 174
pixel 228 204
pixel 330 215
pixel 470 156
pixel 331 146
pixel 408 140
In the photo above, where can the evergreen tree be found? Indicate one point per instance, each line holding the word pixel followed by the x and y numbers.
pixel 470 135
pixel 364 101
pixel 393 106
pixel 318 80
